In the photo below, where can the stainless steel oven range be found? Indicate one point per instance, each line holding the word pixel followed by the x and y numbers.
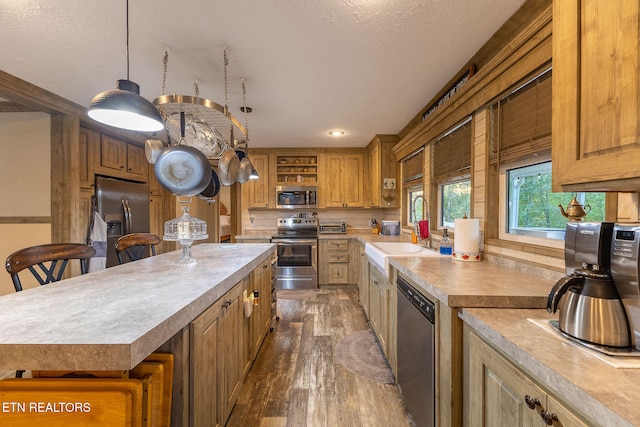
pixel 297 250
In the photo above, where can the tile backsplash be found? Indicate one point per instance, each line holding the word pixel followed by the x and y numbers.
pixel 263 221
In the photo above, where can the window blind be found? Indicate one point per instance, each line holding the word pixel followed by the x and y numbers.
pixel 521 121
pixel 413 169
pixel 452 152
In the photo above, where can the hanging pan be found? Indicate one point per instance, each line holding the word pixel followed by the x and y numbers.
pixel 244 170
pixel 228 167
pixel 212 190
pixel 183 170
pixel 152 149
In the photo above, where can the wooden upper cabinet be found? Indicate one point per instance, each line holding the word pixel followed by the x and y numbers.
pixel 596 95
pixel 122 159
pixel 382 166
pixel 113 154
pixel 89 144
pixel 374 174
pixel 353 184
pixel 136 160
pixel 342 184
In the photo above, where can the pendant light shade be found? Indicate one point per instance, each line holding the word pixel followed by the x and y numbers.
pixel 124 108
pixel 254 173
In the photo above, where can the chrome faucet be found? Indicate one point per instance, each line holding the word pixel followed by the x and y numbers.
pixel 416 229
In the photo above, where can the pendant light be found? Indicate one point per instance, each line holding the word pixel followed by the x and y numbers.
pixel 123 107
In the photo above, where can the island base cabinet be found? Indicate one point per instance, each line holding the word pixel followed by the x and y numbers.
pixel 260 319
pixel 204 373
pixel 216 364
pixel 497 393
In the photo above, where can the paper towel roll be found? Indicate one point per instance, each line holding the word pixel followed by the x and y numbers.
pixel 466 244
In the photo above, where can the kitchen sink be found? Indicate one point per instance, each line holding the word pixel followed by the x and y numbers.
pixel 380 252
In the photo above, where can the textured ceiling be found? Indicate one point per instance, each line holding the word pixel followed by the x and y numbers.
pixel 310 66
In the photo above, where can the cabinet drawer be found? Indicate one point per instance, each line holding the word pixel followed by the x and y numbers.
pixel 338 257
pixel 338 245
pixel 338 274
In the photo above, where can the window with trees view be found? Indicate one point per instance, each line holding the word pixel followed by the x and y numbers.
pixel 532 209
pixel 455 201
pixel 520 149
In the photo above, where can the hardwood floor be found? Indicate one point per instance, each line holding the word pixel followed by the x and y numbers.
pixel 295 380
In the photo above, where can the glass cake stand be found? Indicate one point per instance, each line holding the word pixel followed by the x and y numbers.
pixel 185 229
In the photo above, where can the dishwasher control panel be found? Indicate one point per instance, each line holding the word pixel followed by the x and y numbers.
pixel 426 307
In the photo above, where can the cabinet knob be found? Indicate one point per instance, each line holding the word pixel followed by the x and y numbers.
pixel 531 402
pixel 548 418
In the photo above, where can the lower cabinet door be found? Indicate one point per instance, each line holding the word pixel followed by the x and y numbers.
pixel 216 366
pixel 560 415
pixel 204 337
pixel 500 394
pixel 230 366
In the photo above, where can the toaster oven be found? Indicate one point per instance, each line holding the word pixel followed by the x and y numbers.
pixel 333 228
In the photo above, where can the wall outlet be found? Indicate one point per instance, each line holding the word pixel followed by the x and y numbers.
pixel 389 184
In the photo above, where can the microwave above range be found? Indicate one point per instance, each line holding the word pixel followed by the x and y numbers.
pixel 296 196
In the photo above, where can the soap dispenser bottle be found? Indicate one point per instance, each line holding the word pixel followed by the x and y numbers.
pixel 445 244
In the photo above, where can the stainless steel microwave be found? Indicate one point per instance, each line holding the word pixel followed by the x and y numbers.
pixel 295 196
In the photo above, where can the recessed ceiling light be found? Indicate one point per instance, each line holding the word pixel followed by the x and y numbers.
pixel 336 133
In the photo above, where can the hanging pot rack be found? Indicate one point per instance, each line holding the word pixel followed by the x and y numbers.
pixel 202 110
pixel 210 126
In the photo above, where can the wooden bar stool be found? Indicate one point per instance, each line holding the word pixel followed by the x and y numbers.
pixel 47 263
pixel 135 246
pixel 72 402
pixel 51 261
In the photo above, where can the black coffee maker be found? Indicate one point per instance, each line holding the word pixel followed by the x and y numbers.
pixel 587 301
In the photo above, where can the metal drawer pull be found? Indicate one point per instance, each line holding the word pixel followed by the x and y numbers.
pixel 548 418
pixel 531 402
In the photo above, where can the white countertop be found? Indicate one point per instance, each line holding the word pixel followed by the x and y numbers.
pixel 113 319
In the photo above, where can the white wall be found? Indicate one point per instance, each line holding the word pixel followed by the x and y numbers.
pixel 25 185
pixel 25 164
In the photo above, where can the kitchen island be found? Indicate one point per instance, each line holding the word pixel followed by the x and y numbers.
pixel 113 319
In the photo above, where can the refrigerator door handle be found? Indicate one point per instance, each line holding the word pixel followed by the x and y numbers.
pixel 130 218
pixel 127 218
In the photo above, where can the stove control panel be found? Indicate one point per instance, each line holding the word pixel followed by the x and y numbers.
pixel 297 222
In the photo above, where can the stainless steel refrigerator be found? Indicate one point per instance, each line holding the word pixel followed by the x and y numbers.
pixel 124 206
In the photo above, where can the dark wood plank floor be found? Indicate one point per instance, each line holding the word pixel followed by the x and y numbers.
pixel 295 380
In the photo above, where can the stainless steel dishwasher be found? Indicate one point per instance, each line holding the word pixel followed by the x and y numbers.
pixel 416 353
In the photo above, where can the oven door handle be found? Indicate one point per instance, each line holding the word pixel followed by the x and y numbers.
pixel 294 241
